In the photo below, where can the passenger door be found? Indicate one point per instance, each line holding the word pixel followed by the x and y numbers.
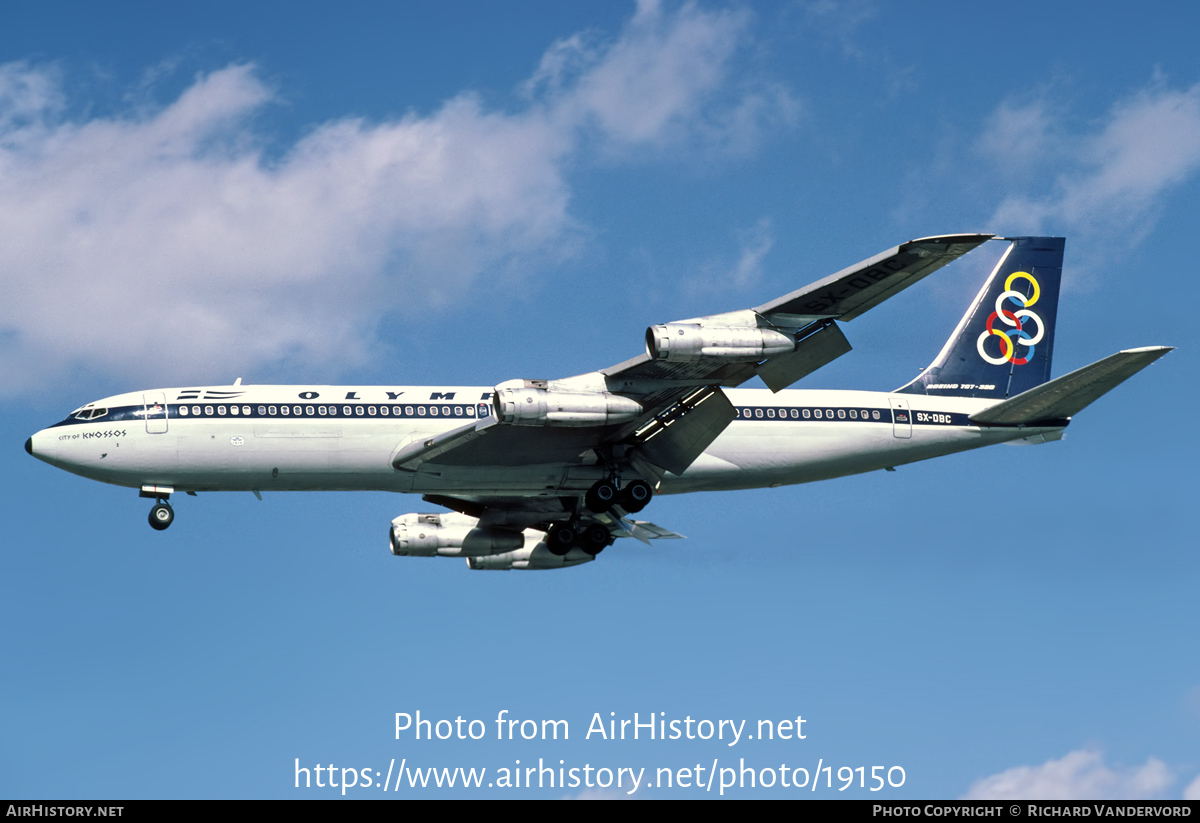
pixel 156 412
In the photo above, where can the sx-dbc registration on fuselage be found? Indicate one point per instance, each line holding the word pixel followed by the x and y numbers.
pixel 543 474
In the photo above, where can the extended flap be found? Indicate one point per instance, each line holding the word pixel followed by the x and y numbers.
pixel 812 352
pixel 679 436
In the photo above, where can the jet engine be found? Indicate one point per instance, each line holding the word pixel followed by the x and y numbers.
pixel 534 556
pixel 682 342
pixel 449 535
pixel 523 403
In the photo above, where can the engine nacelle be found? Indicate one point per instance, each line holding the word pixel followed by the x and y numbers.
pixel 682 342
pixel 521 403
pixel 535 556
pixel 449 535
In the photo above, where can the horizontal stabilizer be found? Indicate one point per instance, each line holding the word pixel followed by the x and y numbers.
pixel 1065 396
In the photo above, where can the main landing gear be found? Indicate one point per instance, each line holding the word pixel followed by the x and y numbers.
pixel 600 498
pixel 604 494
pixel 563 537
pixel 162 515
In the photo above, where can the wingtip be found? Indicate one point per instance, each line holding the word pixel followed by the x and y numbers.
pixel 965 237
pixel 1156 350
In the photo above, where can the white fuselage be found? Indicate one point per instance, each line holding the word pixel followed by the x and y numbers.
pixel 291 438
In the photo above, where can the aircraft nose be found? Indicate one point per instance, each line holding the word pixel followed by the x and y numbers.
pixel 40 446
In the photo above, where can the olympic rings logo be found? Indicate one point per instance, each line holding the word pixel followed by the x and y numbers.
pixel 1017 321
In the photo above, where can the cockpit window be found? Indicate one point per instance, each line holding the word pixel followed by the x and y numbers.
pixel 98 413
pixel 89 414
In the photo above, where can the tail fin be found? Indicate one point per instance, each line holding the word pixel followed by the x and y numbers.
pixel 1004 342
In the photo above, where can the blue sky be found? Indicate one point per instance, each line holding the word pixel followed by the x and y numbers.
pixel 431 193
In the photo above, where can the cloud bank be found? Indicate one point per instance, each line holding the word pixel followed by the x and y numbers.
pixel 1081 775
pixel 1108 180
pixel 166 242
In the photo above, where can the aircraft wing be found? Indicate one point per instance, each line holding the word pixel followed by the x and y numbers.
pixel 807 313
pixel 853 290
pixel 661 409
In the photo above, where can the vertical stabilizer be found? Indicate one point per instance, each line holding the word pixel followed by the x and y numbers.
pixel 1003 344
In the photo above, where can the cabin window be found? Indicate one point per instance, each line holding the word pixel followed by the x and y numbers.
pixel 208 410
pixel 408 410
pixel 233 409
pixel 371 410
pixel 874 415
pixel 841 414
pixel 183 411
pixel 345 411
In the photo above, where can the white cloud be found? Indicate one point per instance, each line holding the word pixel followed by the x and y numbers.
pixel 1018 137
pixel 1081 775
pixel 600 794
pixel 739 270
pixel 1192 791
pixel 1113 178
pixel 655 84
pixel 165 243
pixel 756 242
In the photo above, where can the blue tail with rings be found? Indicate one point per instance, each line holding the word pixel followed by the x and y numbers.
pixel 1004 342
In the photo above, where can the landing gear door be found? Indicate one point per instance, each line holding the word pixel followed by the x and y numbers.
pixel 156 412
pixel 901 417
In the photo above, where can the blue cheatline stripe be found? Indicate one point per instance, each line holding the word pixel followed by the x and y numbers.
pixel 304 411
pixel 844 414
pixel 469 411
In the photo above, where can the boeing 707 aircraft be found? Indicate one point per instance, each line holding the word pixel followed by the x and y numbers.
pixel 545 474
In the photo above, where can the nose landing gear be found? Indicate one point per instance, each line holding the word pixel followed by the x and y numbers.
pixel 162 515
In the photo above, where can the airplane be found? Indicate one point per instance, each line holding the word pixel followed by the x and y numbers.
pixel 545 474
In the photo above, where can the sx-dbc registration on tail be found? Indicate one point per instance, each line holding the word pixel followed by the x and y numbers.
pixel 542 474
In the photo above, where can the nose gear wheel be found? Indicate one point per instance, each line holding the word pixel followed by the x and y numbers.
pixel 161 516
